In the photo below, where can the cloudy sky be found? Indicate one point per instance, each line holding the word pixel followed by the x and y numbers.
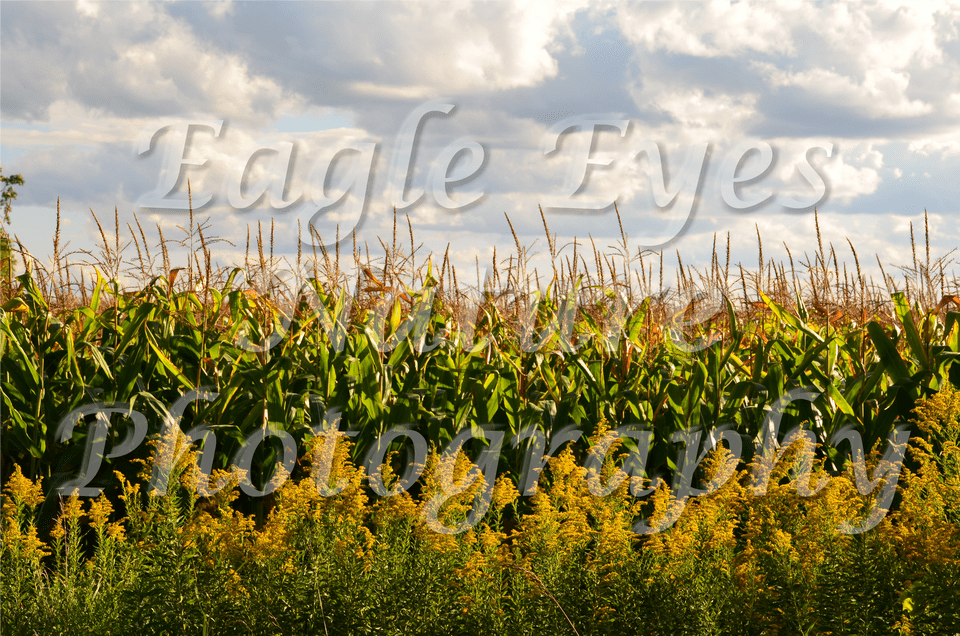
pixel 696 118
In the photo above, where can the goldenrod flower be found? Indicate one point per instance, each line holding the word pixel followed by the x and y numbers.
pixel 100 511
pixel 21 492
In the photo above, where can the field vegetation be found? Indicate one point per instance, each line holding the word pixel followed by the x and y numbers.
pixel 283 348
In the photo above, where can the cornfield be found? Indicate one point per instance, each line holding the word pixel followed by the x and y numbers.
pixel 523 364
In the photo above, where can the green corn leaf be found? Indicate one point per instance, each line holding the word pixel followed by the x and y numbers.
pixel 802 309
pixel 952 330
pixel 26 361
pixel 491 387
pixel 735 334
pixel 788 318
pixel 892 362
pixel 167 363
pixel 132 330
pixel 806 363
pixel 637 320
pixel 399 353
pixel 691 401
pixel 841 402
pixel 97 291
pixel 910 329
pixel 129 372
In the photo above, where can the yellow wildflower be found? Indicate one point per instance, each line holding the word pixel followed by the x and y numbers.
pixel 21 492
pixel 504 493
pixel 100 511
pixel 33 546
pixel 116 531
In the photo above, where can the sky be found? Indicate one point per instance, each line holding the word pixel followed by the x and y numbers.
pixel 697 118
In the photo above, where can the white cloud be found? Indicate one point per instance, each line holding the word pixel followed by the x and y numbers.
pixel 859 57
pixel 789 73
pixel 881 94
pixel 944 145
pixel 697 114
pixel 851 175
pixel 483 47
pixel 884 34
pixel 220 8
pixel 710 29
pixel 133 60
pixel 88 8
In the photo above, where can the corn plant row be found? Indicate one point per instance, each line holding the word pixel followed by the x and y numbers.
pixel 387 356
